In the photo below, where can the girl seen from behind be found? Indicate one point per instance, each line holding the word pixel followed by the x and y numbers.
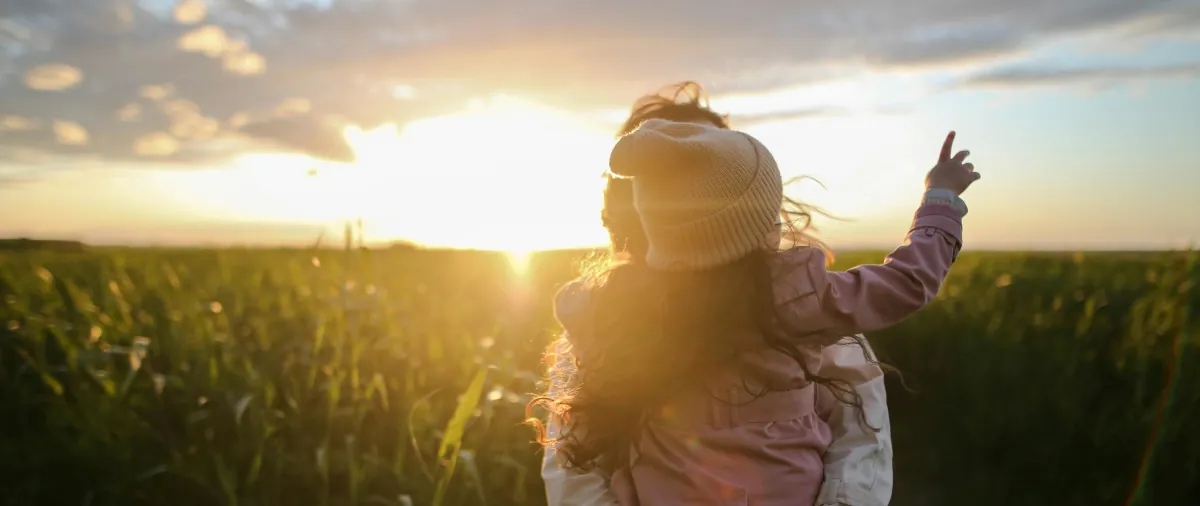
pixel 696 367
pixel 852 403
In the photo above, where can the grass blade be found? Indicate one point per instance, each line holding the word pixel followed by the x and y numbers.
pixel 452 439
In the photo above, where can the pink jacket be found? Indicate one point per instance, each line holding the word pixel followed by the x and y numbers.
pixel 857 463
pixel 768 451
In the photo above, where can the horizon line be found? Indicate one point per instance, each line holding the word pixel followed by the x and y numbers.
pixel 402 244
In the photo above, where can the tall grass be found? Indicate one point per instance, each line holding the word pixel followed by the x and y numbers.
pixel 356 377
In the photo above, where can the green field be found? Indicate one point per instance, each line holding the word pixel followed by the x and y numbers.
pixel 291 377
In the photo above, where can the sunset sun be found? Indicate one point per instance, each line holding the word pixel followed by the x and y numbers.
pixel 528 179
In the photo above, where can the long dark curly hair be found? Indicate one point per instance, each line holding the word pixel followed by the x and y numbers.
pixel 651 333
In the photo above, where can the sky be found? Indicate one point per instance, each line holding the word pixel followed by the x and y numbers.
pixel 482 124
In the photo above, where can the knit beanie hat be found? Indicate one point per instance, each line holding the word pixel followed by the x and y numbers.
pixel 706 196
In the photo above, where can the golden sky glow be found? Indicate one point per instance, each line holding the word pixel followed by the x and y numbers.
pixel 501 174
pixel 509 173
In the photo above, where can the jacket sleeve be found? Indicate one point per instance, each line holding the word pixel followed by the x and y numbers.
pixel 816 301
pixel 566 487
pixel 858 463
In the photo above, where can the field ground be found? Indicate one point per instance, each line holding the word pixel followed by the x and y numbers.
pixel 272 377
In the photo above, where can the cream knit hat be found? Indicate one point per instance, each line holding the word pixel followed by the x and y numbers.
pixel 706 196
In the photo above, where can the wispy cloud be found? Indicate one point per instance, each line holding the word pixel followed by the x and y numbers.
pixel 1018 77
pixel 200 81
pixel 746 120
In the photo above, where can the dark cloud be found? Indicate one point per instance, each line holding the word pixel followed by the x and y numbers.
pixel 143 85
pixel 320 139
pixel 1181 21
pixel 965 44
pixel 1053 76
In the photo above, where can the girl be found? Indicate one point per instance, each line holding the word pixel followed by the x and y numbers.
pixel 858 461
pixel 696 368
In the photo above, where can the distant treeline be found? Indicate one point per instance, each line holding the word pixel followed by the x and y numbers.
pixel 23 244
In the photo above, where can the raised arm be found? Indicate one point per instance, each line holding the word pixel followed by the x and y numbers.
pixel 815 301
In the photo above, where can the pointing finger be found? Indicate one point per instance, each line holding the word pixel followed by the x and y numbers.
pixel 947 146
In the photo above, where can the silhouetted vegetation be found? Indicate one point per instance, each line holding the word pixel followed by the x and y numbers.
pixel 206 377
pixel 23 244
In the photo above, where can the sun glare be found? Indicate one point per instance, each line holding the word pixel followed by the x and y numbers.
pixel 504 174
pixel 519 260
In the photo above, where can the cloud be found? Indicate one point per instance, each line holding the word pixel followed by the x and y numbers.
pixel 1015 77
pixel 155 144
pixel 313 137
pixel 1183 21
pixel 745 120
pixel 70 133
pixel 190 11
pixel 196 81
pixel 52 77
pixel 968 43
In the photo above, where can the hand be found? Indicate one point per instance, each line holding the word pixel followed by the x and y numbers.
pixel 951 173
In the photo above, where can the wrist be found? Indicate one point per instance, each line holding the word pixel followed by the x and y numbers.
pixel 946 197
